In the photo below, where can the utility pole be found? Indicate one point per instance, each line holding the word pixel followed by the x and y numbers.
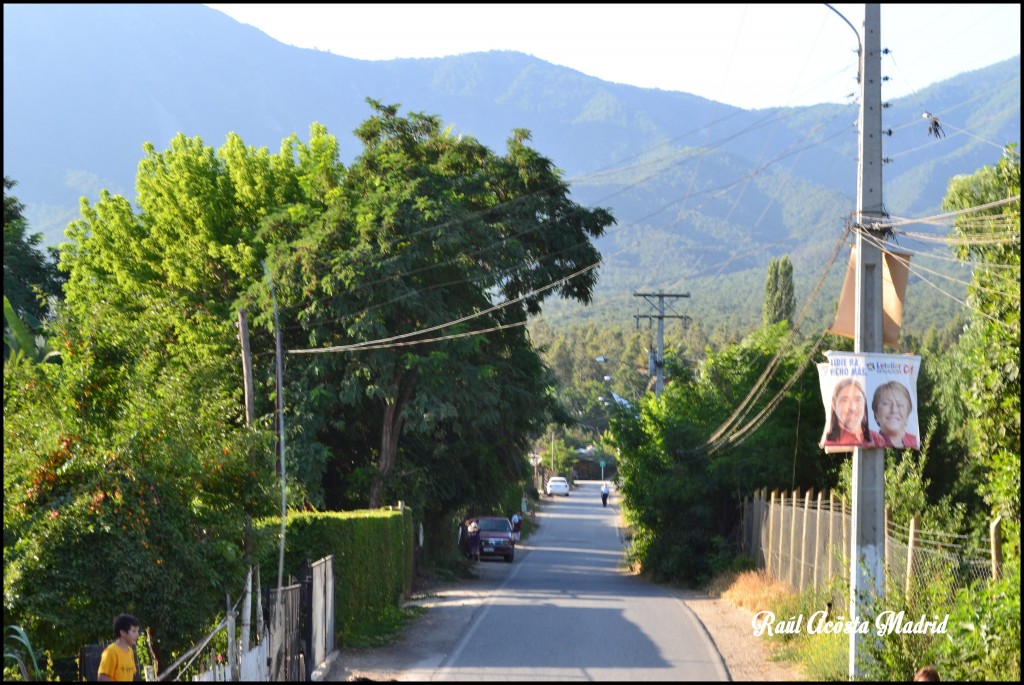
pixel 867 563
pixel 250 417
pixel 278 613
pixel 658 359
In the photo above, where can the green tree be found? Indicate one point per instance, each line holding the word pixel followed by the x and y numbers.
pixel 31 278
pixel 429 229
pixel 990 344
pixel 128 469
pixel 688 458
pixel 779 294
pixel 19 341
pixel 121 487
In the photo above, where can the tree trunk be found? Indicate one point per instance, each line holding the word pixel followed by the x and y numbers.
pixel 390 433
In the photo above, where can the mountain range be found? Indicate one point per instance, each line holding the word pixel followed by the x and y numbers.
pixel 704 193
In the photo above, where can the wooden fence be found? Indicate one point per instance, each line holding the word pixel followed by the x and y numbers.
pixel 804 540
pixel 282 652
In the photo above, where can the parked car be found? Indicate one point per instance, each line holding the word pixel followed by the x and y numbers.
pixel 496 538
pixel 557 485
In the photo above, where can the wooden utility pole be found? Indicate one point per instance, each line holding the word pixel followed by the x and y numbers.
pixel 867 561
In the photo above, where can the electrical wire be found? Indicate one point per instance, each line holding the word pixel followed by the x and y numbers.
pixel 947 215
pixel 718 437
pixel 918 272
pixel 382 341
pixel 742 433
pixel 945 257
pixel 886 247
pixel 360 348
pixel 718 440
pixel 746 177
pixel 771 118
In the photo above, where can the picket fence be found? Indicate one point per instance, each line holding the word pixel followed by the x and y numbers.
pixel 804 541
pixel 282 652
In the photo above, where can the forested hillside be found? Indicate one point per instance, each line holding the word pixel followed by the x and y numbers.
pixel 704 194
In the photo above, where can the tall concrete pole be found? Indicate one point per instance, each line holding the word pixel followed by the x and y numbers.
pixel 868 535
pixel 659 362
pixel 658 365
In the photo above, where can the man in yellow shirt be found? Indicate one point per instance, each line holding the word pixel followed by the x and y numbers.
pixel 118 660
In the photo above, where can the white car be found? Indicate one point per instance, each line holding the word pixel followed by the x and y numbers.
pixel 558 486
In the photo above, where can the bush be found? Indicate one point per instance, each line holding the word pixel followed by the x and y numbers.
pixel 372 558
pixel 983 637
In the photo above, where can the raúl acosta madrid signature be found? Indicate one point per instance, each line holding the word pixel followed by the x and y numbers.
pixel 820 623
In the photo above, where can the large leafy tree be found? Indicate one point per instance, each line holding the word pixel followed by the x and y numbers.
pixel 427 234
pixel 128 469
pixel 131 464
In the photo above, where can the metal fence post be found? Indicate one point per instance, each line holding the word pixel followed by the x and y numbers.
pixel 232 668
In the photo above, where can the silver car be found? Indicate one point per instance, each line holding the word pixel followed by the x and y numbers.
pixel 557 486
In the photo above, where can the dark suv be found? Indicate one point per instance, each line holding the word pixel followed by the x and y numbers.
pixel 496 538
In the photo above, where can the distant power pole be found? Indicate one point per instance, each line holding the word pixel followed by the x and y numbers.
pixel 867 563
pixel 658 359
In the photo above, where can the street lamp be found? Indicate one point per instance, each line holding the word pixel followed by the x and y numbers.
pixel 628 378
pixel 552 451
pixel 535 460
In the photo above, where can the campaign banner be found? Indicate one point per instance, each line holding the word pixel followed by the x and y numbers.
pixel 870 401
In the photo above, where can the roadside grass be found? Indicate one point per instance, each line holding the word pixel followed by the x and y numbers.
pixel 820 657
pixel 385 629
pixel 751 590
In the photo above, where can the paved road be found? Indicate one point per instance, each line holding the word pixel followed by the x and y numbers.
pixel 566 609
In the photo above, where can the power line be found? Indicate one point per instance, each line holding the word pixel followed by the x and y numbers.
pixel 354 346
pixel 947 215
pixel 757 390
pixel 917 271
pixel 360 348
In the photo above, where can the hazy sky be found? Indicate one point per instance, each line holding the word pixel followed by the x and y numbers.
pixel 750 56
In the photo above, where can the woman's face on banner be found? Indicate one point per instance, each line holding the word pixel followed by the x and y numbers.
pixel 849 405
pixel 893 410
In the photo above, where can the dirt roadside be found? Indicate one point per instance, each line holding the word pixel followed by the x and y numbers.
pixel 428 640
pixel 746 657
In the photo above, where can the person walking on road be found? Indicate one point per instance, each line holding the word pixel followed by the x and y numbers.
pixel 517 526
pixel 604 494
pixel 474 539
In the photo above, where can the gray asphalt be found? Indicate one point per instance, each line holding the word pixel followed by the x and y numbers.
pixel 567 609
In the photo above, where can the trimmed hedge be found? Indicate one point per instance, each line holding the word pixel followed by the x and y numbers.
pixel 373 558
